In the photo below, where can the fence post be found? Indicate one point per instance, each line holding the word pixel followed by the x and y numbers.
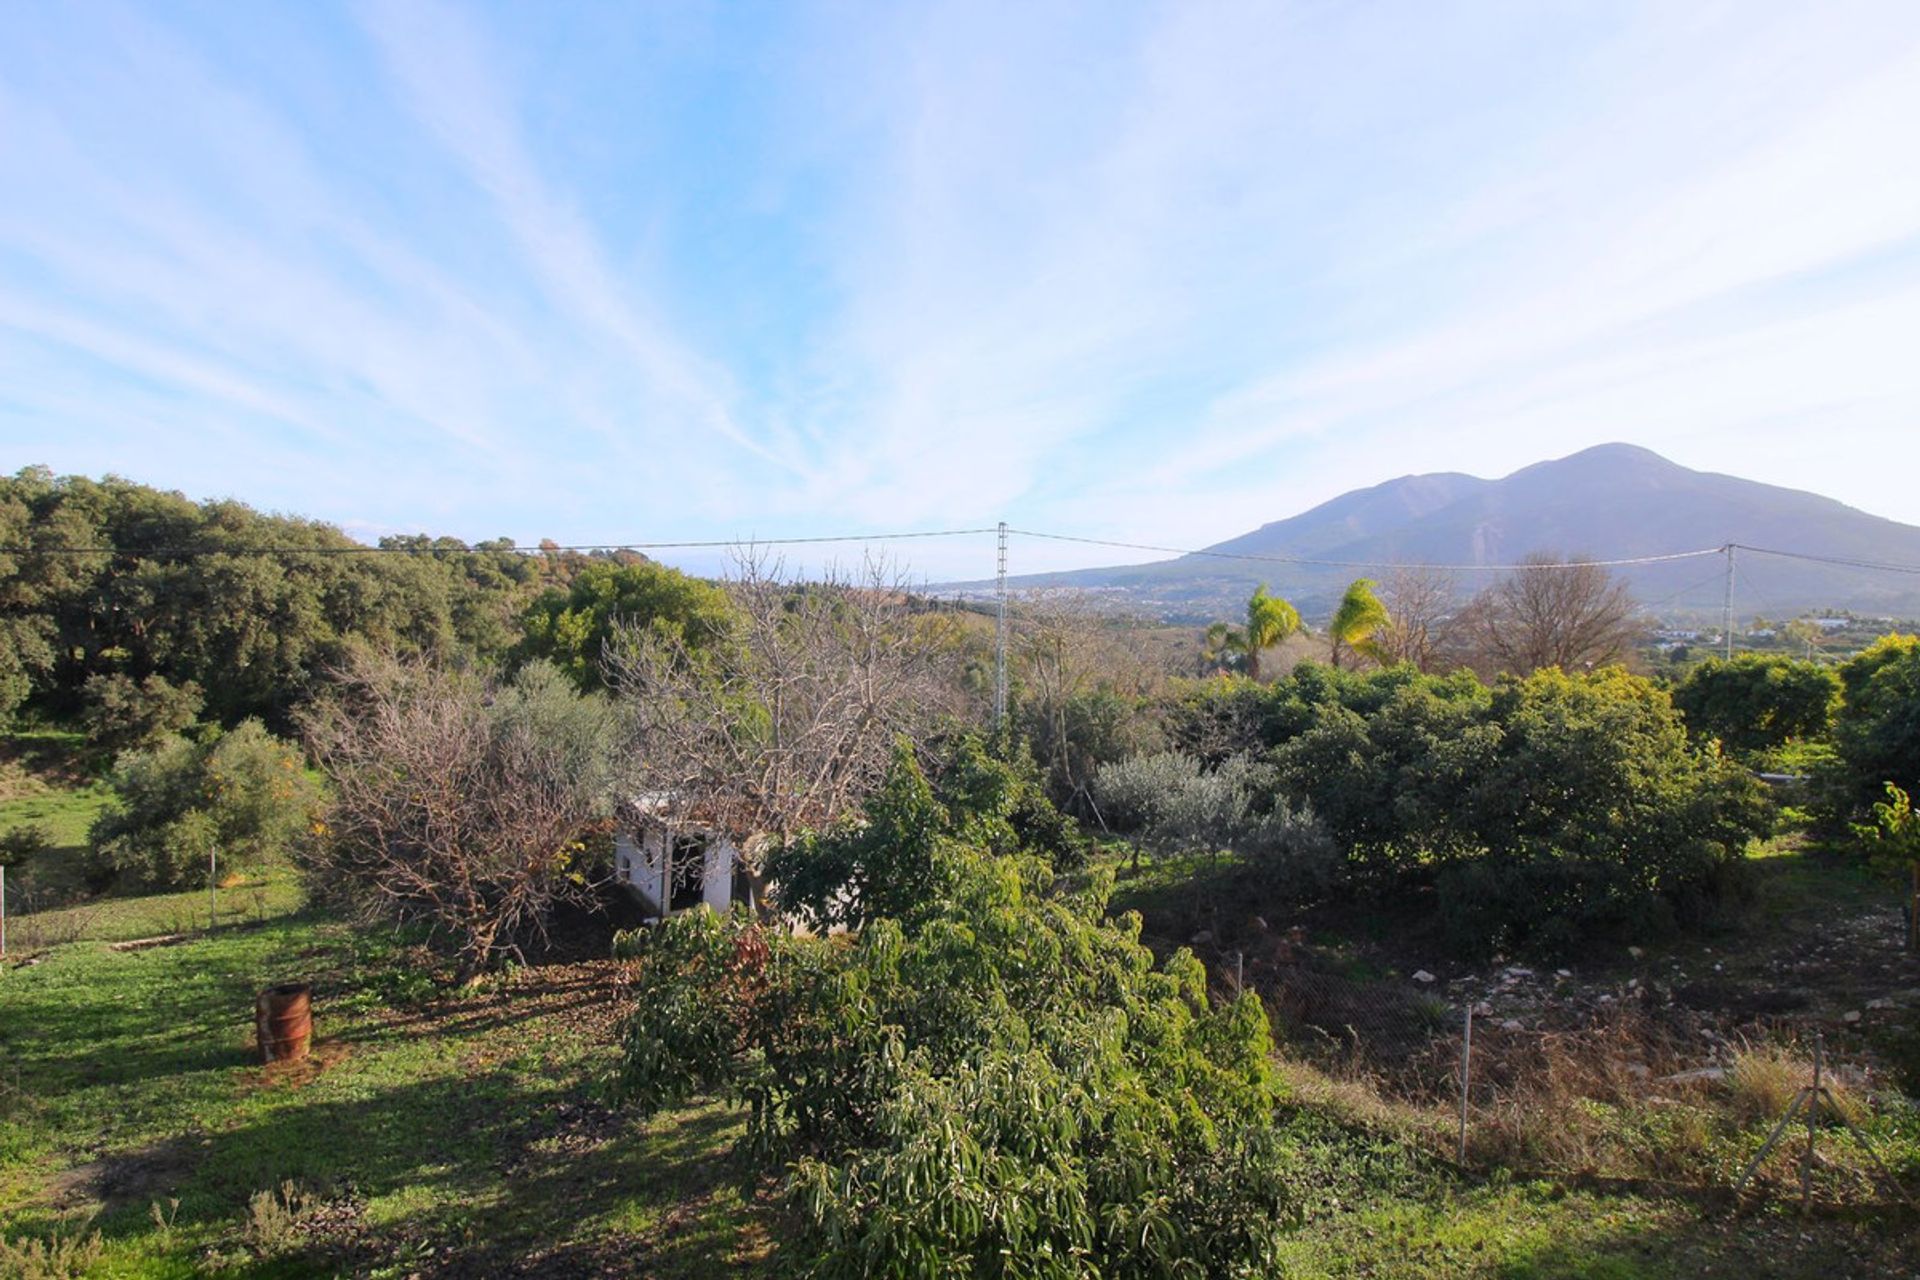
pixel 213 887
pixel 1813 1116
pixel 3 908
pixel 1239 972
pixel 1466 1075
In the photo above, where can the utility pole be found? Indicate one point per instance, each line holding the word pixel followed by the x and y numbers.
pixel 1726 611
pixel 1000 636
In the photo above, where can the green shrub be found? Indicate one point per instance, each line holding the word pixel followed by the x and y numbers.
pixel 1007 1086
pixel 24 842
pixel 902 850
pixel 122 715
pixel 1557 809
pixel 1877 731
pixel 1758 702
pixel 244 794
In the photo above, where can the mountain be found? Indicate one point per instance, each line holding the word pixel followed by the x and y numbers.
pixel 1613 501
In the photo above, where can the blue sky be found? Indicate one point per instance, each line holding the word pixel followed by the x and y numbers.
pixel 1154 272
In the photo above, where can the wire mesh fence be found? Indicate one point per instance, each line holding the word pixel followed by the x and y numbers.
pixel 1538 1071
pixel 39 918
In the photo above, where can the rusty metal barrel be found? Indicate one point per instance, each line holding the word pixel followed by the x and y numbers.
pixel 283 1021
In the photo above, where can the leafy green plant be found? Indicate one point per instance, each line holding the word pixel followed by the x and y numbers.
pixel 1758 702
pixel 1895 836
pixel 23 843
pixel 123 714
pixel 1557 809
pixel 1005 1086
pixel 245 796
pixel 1359 617
pixel 1877 730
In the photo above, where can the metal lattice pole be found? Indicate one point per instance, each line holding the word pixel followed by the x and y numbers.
pixel 1726 609
pixel 1000 634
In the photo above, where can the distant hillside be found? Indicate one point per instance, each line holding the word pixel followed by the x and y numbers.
pixel 1609 502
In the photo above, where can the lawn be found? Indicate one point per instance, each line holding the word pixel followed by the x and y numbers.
pixel 437 1132
pixel 41 786
pixel 426 1127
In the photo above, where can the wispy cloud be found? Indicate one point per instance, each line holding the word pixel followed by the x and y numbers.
pixel 1157 271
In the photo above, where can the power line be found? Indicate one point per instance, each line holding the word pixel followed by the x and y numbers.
pixel 516 548
pixel 1364 564
pixel 1879 565
pixel 690 544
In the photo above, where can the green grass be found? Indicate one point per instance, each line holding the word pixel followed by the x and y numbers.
pixel 41 785
pixel 425 1122
pixel 433 1125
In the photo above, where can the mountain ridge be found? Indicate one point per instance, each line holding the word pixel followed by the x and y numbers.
pixel 1611 501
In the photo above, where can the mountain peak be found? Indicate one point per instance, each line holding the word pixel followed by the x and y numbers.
pixel 1612 501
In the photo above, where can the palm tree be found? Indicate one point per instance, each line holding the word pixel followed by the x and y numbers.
pixel 1357 620
pixel 1270 620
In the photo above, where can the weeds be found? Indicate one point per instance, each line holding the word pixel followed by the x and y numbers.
pixel 273 1219
pixel 61 1256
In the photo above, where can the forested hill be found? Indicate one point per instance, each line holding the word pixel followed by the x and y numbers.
pixel 1610 501
pixel 176 589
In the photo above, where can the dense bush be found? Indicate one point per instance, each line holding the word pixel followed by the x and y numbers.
pixel 1555 809
pixel 123 714
pixel 1007 1086
pixel 244 795
pixel 24 843
pixel 902 850
pixel 1877 731
pixel 1172 804
pixel 1757 702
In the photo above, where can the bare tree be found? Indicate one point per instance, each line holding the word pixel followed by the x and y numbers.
pixel 790 724
pixel 1081 676
pixel 456 800
pixel 1421 606
pixel 1553 612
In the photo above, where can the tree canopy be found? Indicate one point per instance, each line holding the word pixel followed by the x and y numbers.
pixel 112 578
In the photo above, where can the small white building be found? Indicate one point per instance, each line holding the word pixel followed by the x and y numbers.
pixel 677 866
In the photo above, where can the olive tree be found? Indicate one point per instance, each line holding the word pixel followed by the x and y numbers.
pixel 458 801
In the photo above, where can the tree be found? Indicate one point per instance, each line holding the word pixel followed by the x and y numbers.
pixel 1548 811
pixel 1804 632
pixel 1420 609
pixel 1551 612
pixel 1877 730
pixel 1080 693
pixel 1006 1084
pixel 1895 834
pixel 1270 620
pixel 244 796
pixel 572 628
pixel 1758 701
pixel 790 725
pixel 122 714
pixel 1358 620
pixel 458 801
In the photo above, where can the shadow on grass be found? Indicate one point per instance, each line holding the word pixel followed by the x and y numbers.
pixel 483 1176
pixel 102 1018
